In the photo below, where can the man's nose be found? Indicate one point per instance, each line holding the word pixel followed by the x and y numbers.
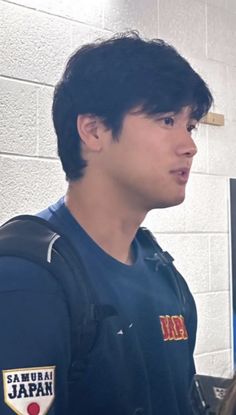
pixel 187 145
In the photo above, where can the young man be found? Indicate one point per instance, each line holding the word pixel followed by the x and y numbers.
pixel 123 114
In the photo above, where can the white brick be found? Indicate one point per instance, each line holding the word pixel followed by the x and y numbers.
pixel 215 364
pixel 218 3
pixel 166 220
pixel 18 109
pixel 47 138
pixel 229 5
pixel 28 185
pixel 221 26
pixel 206 204
pixel 89 11
pixel 222 149
pixel 219 262
pixel 121 15
pixel 33 45
pixel 183 25
pixel 213 322
pixel 191 254
pixel 82 34
pixel 33 4
pixel 231 92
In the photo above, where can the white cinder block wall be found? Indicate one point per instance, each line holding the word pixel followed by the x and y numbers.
pixel 36 37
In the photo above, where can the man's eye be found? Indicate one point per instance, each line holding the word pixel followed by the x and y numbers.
pixel 168 121
pixel 191 127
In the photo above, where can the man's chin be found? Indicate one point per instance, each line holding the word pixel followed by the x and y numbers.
pixel 171 203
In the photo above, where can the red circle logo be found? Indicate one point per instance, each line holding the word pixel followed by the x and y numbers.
pixel 33 408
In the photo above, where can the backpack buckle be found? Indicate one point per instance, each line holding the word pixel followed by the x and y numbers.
pixel 160 259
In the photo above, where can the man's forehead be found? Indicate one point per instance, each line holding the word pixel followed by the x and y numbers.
pixel 187 112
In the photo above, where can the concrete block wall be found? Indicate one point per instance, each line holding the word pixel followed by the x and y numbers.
pixel 36 38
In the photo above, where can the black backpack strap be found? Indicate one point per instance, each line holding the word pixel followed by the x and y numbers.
pixel 162 259
pixel 37 240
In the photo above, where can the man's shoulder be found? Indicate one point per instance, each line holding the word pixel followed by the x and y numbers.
pixel 21 274
pixel 53 212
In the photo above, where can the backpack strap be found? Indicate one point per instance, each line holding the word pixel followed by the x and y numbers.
pixel 162 259
pixel 156 254
pixel 37 240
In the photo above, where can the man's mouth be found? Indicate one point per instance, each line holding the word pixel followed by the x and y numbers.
pixel 181 174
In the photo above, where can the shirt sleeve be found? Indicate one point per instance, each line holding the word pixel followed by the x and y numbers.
pixel 34 340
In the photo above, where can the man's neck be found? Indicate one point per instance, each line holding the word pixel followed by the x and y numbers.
pixel 108 221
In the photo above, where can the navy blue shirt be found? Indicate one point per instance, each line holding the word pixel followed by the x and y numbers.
pixel 142 361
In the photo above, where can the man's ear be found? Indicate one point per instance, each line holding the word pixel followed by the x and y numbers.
pixel 88 127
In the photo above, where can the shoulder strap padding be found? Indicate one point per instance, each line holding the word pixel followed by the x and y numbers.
pixel 26 230
pixel 37 240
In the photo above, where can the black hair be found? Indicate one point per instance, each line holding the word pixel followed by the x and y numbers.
pixel 111 77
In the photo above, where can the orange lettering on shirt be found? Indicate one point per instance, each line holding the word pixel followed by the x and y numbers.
pixel 173 328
